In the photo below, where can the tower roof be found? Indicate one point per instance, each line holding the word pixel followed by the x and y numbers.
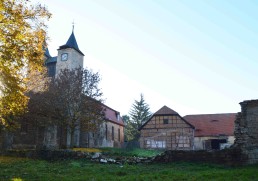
pixel 49 58
pixel 71 43
pixel 47 54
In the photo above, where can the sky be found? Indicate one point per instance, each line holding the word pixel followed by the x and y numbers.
pixel 196 57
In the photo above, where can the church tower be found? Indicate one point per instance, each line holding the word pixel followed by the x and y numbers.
pixel 69 55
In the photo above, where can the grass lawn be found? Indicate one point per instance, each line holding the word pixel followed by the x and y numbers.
pixel 12 168
pixel 130 152
pixel 121 152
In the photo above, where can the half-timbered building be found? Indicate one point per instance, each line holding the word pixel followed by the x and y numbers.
pixel 166 129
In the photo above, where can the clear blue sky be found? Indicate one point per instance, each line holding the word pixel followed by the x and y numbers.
pixel 195 56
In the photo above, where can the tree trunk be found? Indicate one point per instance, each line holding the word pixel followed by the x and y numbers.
pixel 60 136
pixel 72 138
pixel 37 137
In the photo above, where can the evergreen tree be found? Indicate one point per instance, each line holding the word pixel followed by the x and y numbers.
pixel 129 130
pixel 139 114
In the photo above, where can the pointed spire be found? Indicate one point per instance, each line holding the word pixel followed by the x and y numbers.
pixel 71 43
pixel 45 49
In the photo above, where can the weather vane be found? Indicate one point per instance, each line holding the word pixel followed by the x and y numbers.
pixel 73 24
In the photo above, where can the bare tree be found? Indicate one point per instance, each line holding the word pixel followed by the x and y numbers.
pixel 72 100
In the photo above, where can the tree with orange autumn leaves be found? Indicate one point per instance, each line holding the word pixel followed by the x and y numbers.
pixel 22 37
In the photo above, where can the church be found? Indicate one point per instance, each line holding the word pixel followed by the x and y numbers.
pixel 110 133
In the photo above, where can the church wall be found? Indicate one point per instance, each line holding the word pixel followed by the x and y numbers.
pixel 1 138
pixel 50 140
pixel 28 136
pixel 23 137
pixel 116 138
pixel 104 137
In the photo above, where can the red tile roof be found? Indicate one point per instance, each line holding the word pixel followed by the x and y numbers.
pixel 212 124
pixel 112 116
pixel 165 111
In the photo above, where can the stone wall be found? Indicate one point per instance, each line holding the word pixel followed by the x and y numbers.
pixel 246 130
pixel 231 157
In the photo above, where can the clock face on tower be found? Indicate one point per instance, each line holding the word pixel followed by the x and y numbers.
pixel 64 56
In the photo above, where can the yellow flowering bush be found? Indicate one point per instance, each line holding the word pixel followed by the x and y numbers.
pixel 8 159
pixel 89 150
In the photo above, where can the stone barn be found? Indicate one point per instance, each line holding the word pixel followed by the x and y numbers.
pixel 166 129
pixel 212 131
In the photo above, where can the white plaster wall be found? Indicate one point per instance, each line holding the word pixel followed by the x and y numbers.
pixel 199 141
pixel 231 139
